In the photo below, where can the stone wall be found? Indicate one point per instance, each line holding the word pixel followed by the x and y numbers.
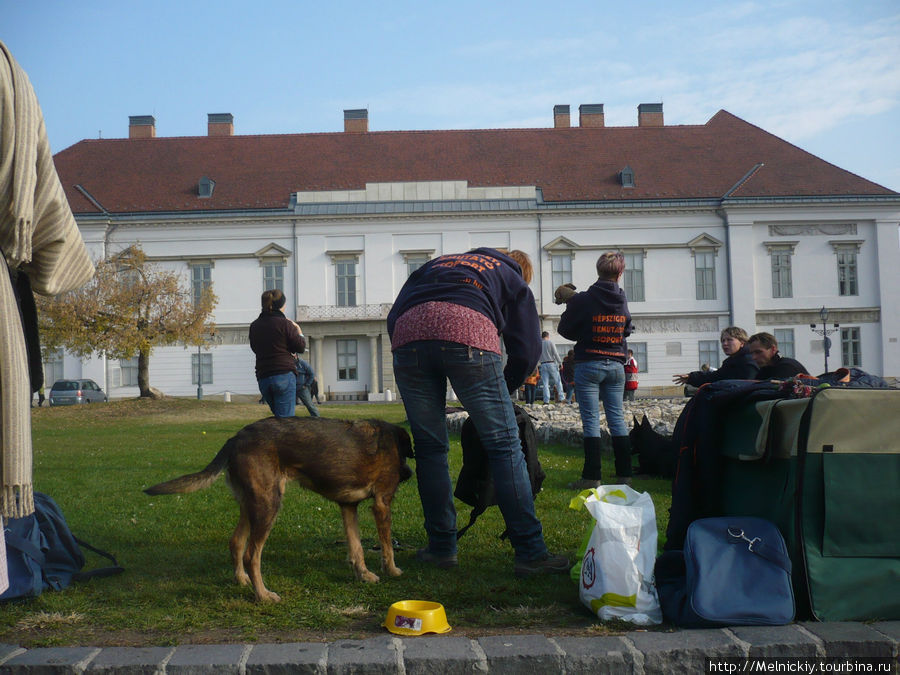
pixel 561 422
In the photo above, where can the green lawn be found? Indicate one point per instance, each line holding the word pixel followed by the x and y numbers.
pixel 178 588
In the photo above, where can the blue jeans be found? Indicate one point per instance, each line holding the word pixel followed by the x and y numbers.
pixel 422 370
pixel 550 375
pixel 280 392
pixel 600 380
pixel 305 396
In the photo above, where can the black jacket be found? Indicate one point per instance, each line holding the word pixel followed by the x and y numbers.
pixel 598 321
pixel 738 366
pixel 781 368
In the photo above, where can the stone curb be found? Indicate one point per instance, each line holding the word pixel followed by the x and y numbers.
pixel 638 652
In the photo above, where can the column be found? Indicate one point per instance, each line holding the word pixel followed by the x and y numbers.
pixel 374 386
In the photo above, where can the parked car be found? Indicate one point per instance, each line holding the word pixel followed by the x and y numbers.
pixel 71 392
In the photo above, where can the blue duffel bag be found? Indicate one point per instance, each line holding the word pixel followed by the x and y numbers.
pixel 734 571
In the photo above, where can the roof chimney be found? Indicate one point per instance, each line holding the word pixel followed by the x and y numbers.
pixel 141 126
pixel 220 124
pixel 356 120
pixel 591 115
pixel 650 115
pixel 561 117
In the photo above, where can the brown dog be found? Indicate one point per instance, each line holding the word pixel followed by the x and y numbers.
pixel 345 461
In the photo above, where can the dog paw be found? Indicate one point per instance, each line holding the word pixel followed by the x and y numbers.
pixel 394 571
pixel 369 577
pixel 268 596
pixel 242 578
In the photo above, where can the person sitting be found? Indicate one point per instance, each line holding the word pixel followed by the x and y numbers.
pixel 306 376
pixel 772 365
pixel 738 366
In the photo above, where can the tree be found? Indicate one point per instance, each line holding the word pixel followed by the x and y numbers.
pixel 129 307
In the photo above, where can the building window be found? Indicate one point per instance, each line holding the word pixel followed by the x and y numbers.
pixel 847 273
pixel 640 354
pixel 709 353
pixel 851 349
pixel 414 262
pixel 560 269
pixel 345 282
pixel 53 367
pixel 785 338
pixel 129 372
pixel 634 277
pixel 705 274
pixel 201 279
pixel 782 286
pixel 273 276
pixel 201 364
pixel 347 361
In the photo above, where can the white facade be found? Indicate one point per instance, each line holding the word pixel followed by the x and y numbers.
pixel 386 227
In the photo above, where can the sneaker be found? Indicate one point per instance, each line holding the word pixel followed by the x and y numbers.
pixel 546 564
pixel 584 484
pixel 441 561
pixel 622 480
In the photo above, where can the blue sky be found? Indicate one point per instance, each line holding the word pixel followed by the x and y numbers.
pixel 822 74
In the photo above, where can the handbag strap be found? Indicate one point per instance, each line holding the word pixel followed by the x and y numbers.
pixel 27 547
pixel 762 548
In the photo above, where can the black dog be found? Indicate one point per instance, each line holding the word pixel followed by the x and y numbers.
pixel 657 454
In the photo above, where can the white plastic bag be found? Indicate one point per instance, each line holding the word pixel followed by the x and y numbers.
pixel 617 568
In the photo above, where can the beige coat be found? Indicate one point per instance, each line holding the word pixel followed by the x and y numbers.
pixel 38 235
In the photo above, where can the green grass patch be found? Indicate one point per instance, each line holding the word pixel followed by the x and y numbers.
pixel 178 587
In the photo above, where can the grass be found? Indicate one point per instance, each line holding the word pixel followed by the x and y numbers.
pixel 178 588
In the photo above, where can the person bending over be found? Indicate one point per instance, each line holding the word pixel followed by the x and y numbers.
pixel 446 324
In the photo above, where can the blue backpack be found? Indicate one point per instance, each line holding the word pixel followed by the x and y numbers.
pixel 43 554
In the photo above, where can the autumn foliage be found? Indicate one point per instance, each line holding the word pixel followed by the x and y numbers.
pixel 130 307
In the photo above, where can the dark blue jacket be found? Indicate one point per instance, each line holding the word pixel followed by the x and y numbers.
pixel 490 283
pixel 598 321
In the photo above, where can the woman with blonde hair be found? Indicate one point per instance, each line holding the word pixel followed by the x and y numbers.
pixel 598 321
pixel 738 365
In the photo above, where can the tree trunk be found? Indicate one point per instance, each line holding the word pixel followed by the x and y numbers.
pixel 144 373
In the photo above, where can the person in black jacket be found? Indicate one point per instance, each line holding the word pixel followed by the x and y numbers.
pixel 598 321
pixel 447 323
pixel 275 339
pixel 738 366
pixel 772 365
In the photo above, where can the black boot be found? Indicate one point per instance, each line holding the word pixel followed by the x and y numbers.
pixel 590 474
pixel 622 451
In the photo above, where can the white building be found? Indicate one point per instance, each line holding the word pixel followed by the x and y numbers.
pixel 721 223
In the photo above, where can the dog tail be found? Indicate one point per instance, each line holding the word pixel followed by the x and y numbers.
pixel 196 481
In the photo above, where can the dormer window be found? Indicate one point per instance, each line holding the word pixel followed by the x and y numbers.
pixel 626 175
pixel 205 187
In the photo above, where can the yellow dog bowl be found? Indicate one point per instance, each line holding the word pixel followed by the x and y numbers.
pixel 416 617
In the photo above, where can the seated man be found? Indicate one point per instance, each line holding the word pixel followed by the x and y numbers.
pixel 772 365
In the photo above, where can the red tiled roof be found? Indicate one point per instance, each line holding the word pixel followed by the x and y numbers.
pixel 571 164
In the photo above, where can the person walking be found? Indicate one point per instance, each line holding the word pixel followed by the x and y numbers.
pixel 446 324
pixel 275 339
pixel 598 321
pixel 306 377
pixel 631 377
pixel 550 364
